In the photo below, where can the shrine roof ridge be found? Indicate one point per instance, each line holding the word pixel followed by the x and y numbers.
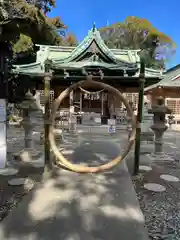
pixel 69 54
pixel 170 79
pixel 70 48
pixel 91 52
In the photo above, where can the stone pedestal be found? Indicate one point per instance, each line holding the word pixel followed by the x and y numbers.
pixel 159 127
pixel 59 129
pixel 147 122
pixel 72 122
pixel 29 108
pixel 129 125
pixel 147 135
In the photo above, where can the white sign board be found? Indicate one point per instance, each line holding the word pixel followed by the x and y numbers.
pixel 2 110
pixel 3 143
pixel 111 125
pixel 111 128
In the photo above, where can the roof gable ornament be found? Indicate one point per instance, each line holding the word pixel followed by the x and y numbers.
pixel 93 36
pixel 94 50
pixel 94 27
pixel 44 57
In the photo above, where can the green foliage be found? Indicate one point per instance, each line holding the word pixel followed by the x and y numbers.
pixel 23 44
pixel 44 5
pixel 138 33
pixel 32 26
pixel 70 40
pixel 24 23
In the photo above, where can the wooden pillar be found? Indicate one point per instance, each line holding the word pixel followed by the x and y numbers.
pixel 47 87
pixel 102 103
pixel 80 101
pixel 139 118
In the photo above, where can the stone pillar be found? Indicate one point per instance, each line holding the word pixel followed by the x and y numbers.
pixel 129 127
pixel 147 135
pixel 38 115
pixel 28 129
pixel 29 108
pixel 159 127
pixel 59 129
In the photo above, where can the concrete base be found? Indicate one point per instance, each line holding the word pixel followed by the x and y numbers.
pixel 160 158
pixel 27 155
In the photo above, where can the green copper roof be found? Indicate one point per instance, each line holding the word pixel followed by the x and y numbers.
pixel 32 69
pixel 82 64
pixel 171 79
pixel 74 57
pixel 93 36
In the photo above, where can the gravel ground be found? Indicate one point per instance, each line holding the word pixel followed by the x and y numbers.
pixel 10 196
pixel 161 210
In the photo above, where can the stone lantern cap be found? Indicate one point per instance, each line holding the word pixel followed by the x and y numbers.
pixel 159 109
pixel 159 127
pixel 29 102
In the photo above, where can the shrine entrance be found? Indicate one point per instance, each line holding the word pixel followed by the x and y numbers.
pixel 60 159
pixel 92 101
pixel 89 99
pixel 58 67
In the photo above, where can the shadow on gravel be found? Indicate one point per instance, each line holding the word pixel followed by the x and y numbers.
pixel 95 153
pixel 78 206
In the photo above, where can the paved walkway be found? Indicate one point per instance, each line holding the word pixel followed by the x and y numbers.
pixel 72 206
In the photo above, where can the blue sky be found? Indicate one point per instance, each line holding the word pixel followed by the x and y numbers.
pixel 79 15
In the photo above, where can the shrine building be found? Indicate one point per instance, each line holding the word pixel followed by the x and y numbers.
pixel 117 67
pixel 169 87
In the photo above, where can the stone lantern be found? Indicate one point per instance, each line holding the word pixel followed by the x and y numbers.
pixel 159 127
pixel 29 109
pixel 147 134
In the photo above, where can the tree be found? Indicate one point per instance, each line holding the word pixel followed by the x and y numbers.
pixel 70 40
pixel 29 24
pixel 44 5
pixel 24 23
pixel 138 33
